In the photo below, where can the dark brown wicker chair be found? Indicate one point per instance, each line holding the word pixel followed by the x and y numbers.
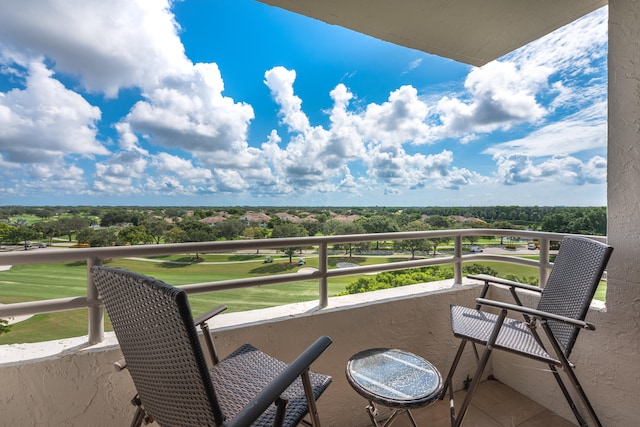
pixel 161 347
pixel 560 313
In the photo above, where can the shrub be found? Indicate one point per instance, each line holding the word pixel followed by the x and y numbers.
pixel 4 326
pixel 528 280
pixel 476 268
pixel 394 279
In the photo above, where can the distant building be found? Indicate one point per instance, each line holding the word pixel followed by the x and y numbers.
pixel 211 220
pixel 345 218
pixel 284 216
pixel 255 218
pixel 464 219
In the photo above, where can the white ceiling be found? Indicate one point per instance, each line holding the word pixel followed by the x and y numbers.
pixel 469 31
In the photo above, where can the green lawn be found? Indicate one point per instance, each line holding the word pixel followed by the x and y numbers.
pixel 32 219
pixel 516 269
pixel 49 326
pixel 58 280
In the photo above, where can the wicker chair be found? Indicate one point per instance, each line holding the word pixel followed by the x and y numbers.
pixel 161 347
pixel 561 311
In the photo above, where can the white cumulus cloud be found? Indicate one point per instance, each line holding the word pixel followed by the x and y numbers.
pixel 280 81
pixel 46 121
pixel 518 169
pixel 108 45
pixel 188 111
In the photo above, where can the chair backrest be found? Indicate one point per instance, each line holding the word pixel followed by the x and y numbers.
pixel 154 326
pixel 572 284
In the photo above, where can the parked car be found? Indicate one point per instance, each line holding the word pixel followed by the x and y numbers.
pixel 267 260
pixel 475 249
pixel 42 245
pixel 531 246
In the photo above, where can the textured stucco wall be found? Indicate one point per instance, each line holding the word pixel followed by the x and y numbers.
pixel 80 387
pixel 77 388
pixel 618 344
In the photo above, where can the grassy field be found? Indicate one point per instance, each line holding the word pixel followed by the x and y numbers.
pixel 58 280
pixel 32 219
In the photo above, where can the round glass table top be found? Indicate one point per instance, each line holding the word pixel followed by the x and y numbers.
pixel 394 378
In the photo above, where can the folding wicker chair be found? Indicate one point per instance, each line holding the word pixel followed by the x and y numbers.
pixel 561 311
pixel 161 348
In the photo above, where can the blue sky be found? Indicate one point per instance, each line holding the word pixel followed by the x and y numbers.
pixel 233 102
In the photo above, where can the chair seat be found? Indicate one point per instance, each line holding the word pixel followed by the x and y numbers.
pixel 246 371
pixel 514 336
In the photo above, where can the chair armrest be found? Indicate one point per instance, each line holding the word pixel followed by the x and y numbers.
pixel 209 314
pixel 536 313
pixel 201 321
pixel 275 388
pixel 497 280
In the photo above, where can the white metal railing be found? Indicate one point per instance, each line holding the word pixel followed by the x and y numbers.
pixel 95 256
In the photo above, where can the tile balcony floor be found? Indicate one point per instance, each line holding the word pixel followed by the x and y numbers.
pixel 494 405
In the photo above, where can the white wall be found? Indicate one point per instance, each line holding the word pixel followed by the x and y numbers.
pixel 76 388
pixel 80 387
pixel 618 345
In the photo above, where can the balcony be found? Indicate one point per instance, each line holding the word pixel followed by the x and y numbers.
pixel 72 382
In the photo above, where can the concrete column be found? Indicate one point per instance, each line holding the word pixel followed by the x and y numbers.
pixel 619 328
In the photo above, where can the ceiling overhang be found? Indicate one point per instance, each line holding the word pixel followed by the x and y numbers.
pixel 470 31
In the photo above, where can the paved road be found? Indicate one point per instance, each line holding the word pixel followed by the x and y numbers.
pixel 520 251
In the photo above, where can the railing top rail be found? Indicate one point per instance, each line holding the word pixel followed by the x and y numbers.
pixel 71 254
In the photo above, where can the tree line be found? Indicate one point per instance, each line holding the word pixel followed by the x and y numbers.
pixel 106 226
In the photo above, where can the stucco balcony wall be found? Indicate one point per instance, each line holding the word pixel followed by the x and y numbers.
pixel 80 386
pixel 67 383
pixel 74 388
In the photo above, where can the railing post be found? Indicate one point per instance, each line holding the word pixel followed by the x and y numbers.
pixel 457 264
pixel 543 268
pixel 96 310
pixel 323 265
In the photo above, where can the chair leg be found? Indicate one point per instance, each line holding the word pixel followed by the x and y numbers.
pixel 311 400
pixel 281 409
pixel 582 394
pixel 567 396
pixel 568 369
pixel 454 365
pixel 140 416
pixel 456 419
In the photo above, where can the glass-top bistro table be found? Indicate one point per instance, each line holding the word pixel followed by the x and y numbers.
pixel 393 378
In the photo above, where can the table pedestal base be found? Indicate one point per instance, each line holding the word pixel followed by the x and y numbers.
pixel 372 410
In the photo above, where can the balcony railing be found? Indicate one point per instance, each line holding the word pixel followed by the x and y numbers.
pixel 95 256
